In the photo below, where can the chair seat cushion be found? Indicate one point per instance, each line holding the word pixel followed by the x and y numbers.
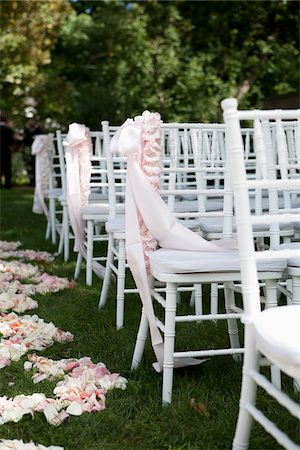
pixel 278 334
pixel 193 205
pixel 97 210
pixel 115 225
pixel 215 225
pixel 180 261
pixel 293 261
pixel 98 197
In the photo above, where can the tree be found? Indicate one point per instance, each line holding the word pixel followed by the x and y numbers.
pixel 29 31
pixel 86 61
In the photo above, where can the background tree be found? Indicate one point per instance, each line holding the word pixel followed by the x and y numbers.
pixel 28 32
pixel 111 59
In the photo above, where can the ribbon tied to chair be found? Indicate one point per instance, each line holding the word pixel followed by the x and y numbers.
pixel 149 222
pixel 41 148
pixel 78 149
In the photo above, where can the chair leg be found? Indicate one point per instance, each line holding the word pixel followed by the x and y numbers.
pixel 89 253
pixel 232 325
pixel 61 242
pixel 107 275
pixel 140 341
pixel 248 395
pixel 121 284
pixel 214 298
pixel 198 299
pixel 52 220
pixel 271 301
pixel 78 265
pixel 48 229
pixel 169 342
pixel 296 301
pixel 65 233
pixel 296 289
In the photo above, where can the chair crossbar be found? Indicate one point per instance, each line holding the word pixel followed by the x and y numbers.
pixel 279 395
pixel 208 352
pixel 202 317
pixel 286 114
pixel 271 428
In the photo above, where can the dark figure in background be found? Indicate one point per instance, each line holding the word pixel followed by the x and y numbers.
pixel 31 129
pixel 6 142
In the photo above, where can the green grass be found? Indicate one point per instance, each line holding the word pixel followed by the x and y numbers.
pixel 134 418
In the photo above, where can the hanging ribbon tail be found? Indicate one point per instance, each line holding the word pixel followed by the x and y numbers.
pixel 40 148
pixel 136 262
pixel 39 205
pixel 78 145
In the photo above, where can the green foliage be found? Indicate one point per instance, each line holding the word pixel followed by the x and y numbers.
pixel 111 59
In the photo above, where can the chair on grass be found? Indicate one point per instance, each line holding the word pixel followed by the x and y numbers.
pixel 188 201
pixel 55 191
pixel 272 333
pixel 115 227
pixel 183 259
pixel 87 202
pixel 94 218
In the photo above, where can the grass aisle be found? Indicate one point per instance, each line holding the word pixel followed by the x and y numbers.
pixel 133 418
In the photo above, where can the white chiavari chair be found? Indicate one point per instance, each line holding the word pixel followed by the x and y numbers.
pixel 184 259
pixel 272 333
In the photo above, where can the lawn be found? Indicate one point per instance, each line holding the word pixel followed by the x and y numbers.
pixel 205 398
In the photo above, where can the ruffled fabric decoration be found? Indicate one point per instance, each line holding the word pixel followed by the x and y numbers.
pixel 148 218
pixel 78 148
pixel 42 148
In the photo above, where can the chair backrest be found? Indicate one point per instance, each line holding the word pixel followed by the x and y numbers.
pixel 116 169
pixel 59 137
pixel 98 173
pixel 98 181
pixel 272 181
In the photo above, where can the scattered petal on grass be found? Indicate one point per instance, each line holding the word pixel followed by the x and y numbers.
pixel 9 245
pixel 16 444
pixel 200 408
pixel 23 333
pixel 82 384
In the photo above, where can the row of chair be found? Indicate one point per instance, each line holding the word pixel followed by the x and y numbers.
pixel 193 215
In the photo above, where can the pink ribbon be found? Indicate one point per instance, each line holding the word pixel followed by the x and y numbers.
pixel 78 148
pixel 41 149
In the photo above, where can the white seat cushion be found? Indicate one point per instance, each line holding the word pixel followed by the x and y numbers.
pixel 95 209
pixel 116 225
pixel 192 205
pixel 180 261
pixel 98 197
pixel 215 225
pixel 293 261
pixel 278 334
